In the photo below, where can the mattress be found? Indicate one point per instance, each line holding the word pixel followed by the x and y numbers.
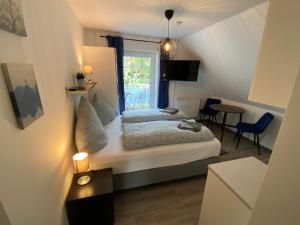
pixel 124 161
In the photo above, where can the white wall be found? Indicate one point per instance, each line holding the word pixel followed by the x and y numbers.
pixel 3 216
pixel 193 92
pixel 91 37
pixel 104 64
pixel 189 92
pixel 35 163
pixel 228 52
pixel 273 80
pixel 279 199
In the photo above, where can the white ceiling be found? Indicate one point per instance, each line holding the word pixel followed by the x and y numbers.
pixel 146 17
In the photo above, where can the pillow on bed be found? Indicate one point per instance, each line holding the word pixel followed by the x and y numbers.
pixel 105 112
pixel 90 135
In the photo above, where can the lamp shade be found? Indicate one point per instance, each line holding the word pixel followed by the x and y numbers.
pixel 87 69
pixel 81 162
pixel 168 48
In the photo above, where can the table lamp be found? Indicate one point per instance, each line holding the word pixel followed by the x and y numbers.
pixel 88 70
pixel 81 164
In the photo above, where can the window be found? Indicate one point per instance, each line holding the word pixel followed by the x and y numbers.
pixel 140 80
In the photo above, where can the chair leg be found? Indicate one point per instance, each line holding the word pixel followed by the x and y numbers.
pixel 258 146
pixel 212 121
pixel 209 121
pixel 236 135
pixel 239 139
pixel 201 115
pixel 254 138
pixel 215 119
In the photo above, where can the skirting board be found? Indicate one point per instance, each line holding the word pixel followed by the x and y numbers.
pixel 157 175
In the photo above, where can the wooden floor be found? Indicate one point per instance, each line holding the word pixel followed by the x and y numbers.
pixel 176 202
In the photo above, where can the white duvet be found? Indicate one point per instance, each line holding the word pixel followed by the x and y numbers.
pixel 155 133
pixel 124 161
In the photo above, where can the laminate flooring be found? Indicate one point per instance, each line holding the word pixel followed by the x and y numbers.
pixel 176 202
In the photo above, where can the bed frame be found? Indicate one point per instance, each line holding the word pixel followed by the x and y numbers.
pixel 141 178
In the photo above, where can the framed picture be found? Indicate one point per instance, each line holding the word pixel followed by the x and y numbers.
pixel 23 92
pixel 11 17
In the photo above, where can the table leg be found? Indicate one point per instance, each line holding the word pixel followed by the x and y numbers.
pixel 241 117
pixel 223 125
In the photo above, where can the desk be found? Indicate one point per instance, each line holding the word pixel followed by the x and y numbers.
pixel 227 109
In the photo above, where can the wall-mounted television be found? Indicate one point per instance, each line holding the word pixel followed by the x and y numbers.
pixel 184 70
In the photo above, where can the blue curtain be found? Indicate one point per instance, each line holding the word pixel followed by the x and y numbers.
pixel 163 86
pixel 117 43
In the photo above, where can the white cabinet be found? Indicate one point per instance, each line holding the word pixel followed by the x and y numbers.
pixel 230 192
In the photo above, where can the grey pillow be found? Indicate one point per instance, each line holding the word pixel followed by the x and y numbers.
pixel 105 112
pixel 90 135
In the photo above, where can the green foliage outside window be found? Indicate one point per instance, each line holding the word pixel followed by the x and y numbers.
pixel 137 71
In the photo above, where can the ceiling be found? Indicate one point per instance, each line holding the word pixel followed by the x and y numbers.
pixel 146 17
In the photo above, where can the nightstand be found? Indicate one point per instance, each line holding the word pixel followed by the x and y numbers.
pixel 92 204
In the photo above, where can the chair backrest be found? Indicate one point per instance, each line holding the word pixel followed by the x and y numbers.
pixel 211 101
pixel 263 122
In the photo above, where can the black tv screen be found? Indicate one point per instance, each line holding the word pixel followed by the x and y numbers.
pixel 184 70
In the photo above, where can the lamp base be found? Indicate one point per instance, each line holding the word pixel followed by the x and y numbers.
pixel 83 180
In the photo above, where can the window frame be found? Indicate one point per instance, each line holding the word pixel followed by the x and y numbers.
pixel 154 71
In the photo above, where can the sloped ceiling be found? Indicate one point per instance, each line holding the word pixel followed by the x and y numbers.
pixel 228 51
pixel 146 17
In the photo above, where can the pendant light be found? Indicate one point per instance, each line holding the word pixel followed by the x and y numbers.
pixel 168 46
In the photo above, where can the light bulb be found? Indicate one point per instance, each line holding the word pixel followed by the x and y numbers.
pixel 167 46
pixel 80 156
pixel 81 162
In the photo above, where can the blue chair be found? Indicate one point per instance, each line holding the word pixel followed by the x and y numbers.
pixel 255 128
pixel 207 111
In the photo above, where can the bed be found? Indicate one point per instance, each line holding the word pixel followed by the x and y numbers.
pixel 133 168
pixel 145 115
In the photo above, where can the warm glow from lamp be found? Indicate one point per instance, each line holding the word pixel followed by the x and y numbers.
pixel 87 69
pixel 81 164
pixel 167 46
